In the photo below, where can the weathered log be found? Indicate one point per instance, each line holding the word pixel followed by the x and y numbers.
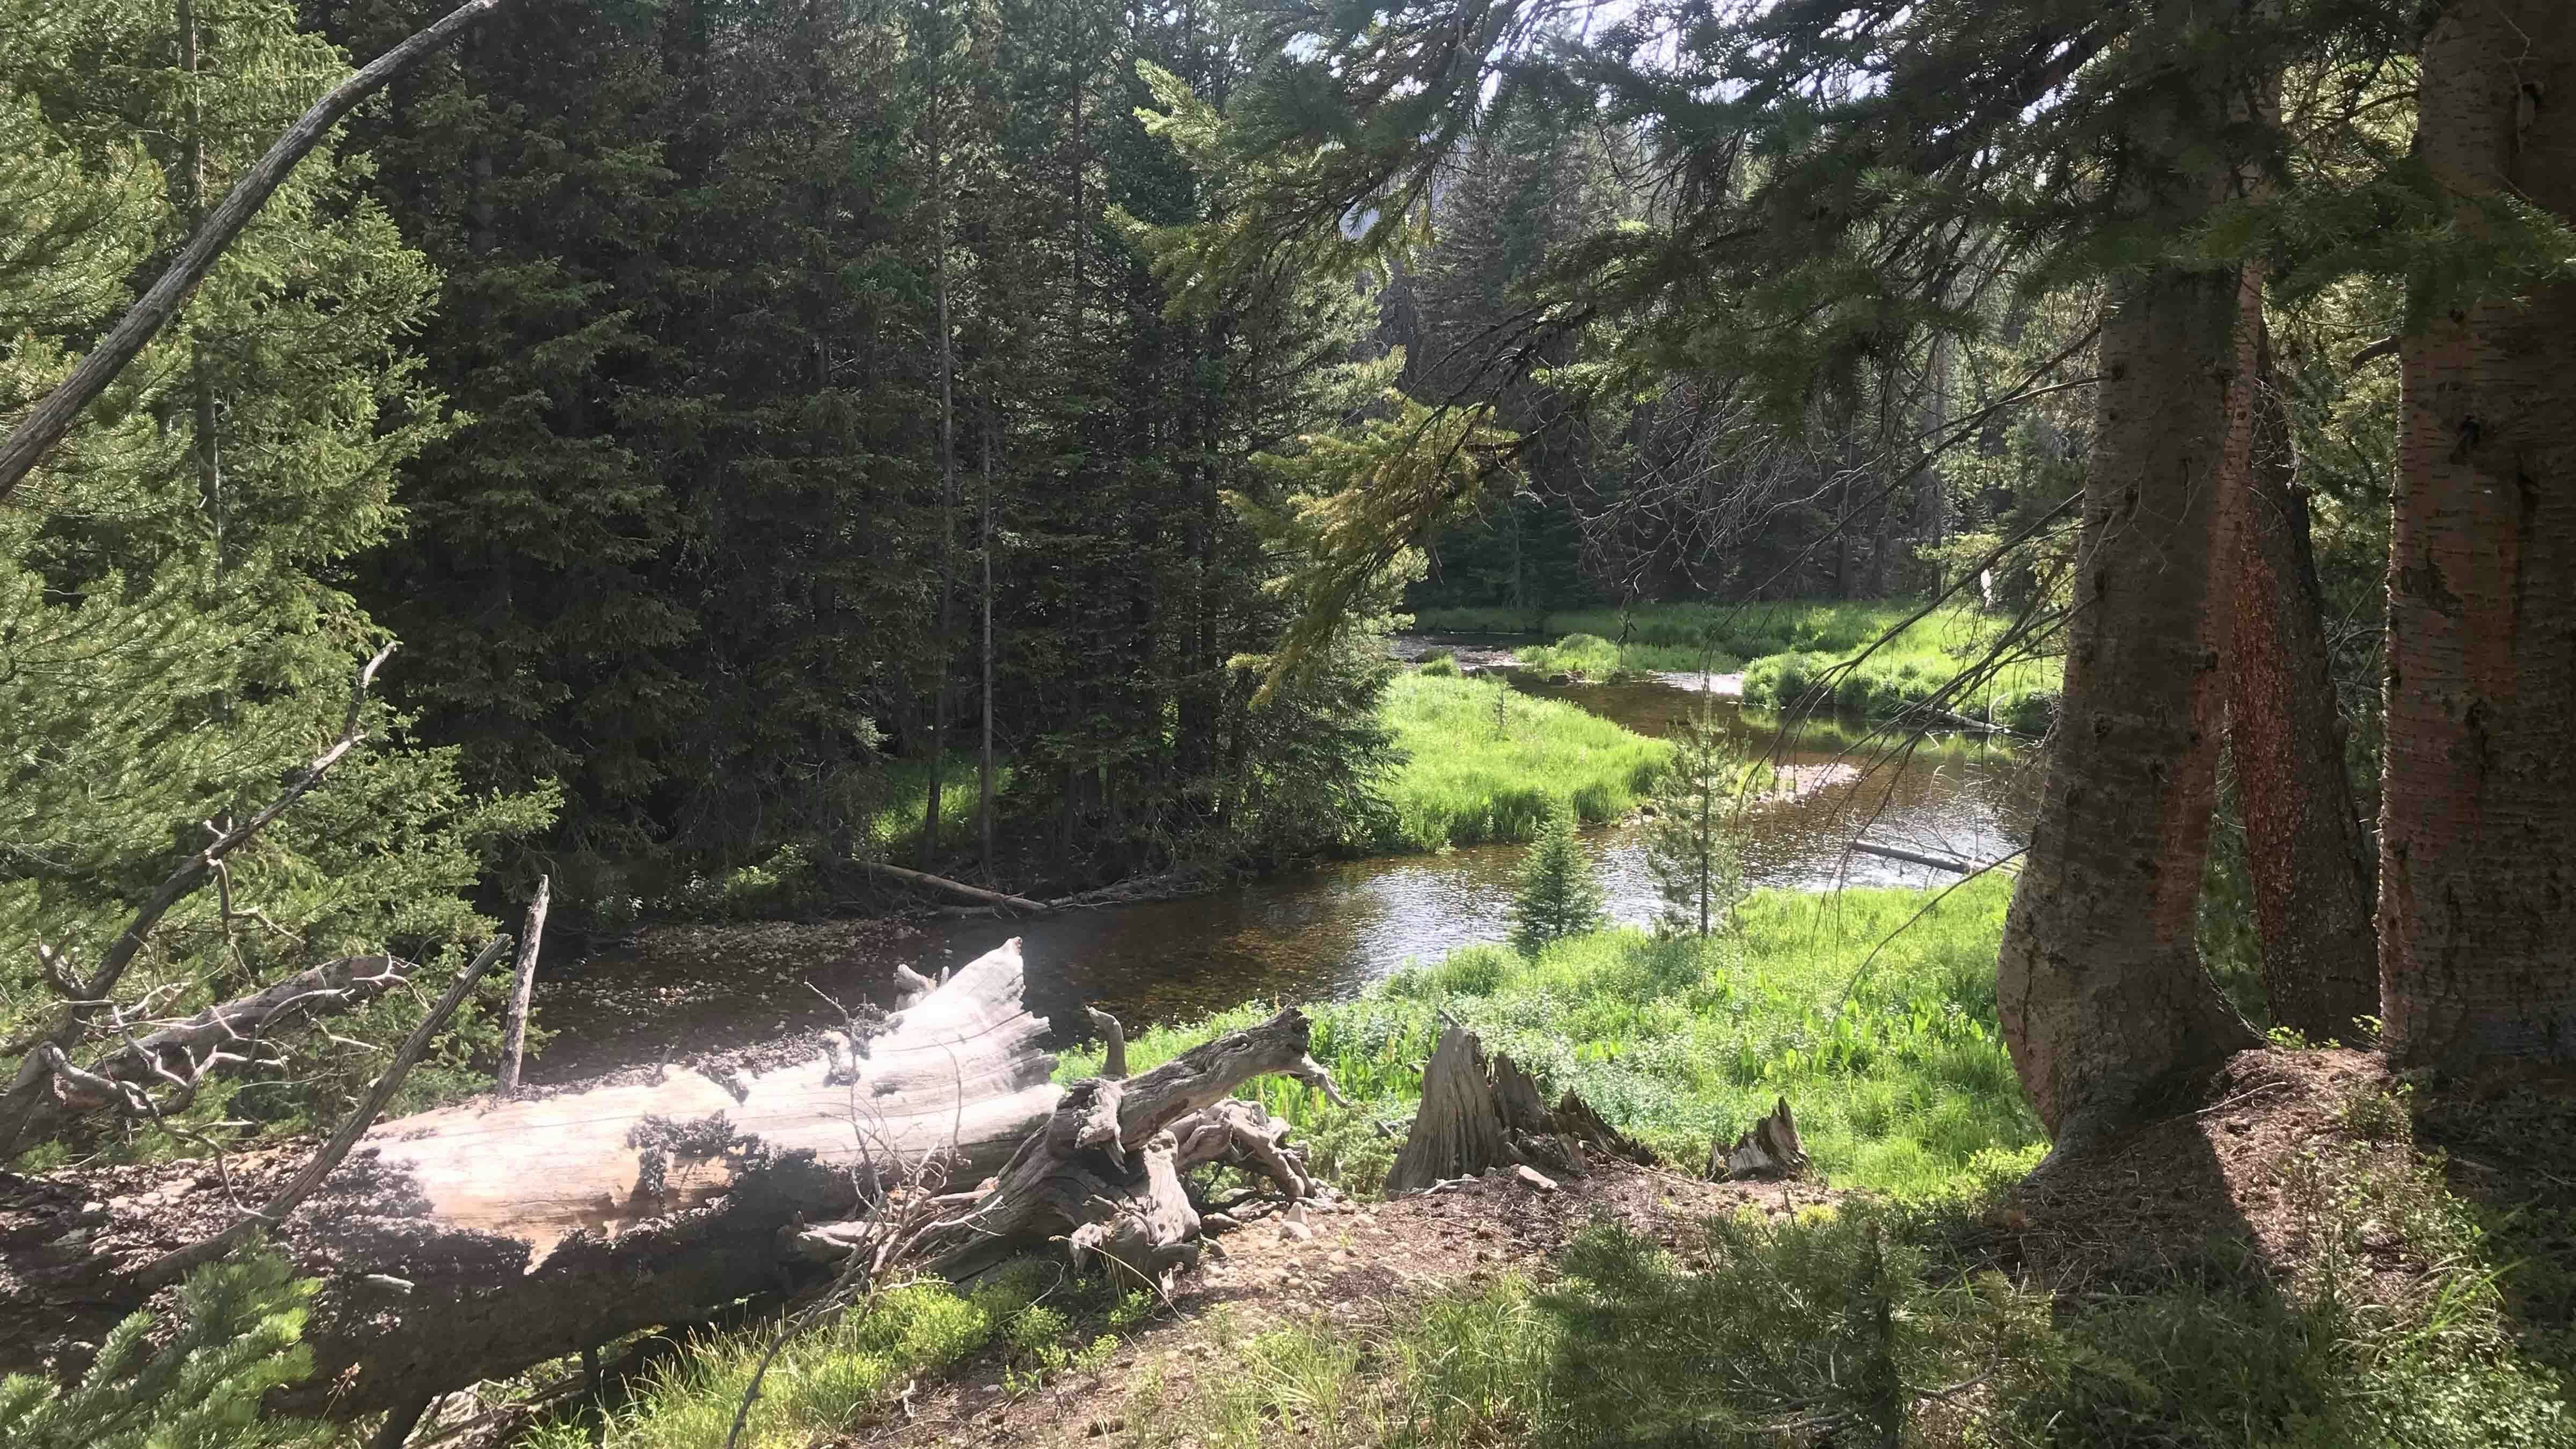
pixel 1074 1177
pixel 472 1242
pixel 1768 1150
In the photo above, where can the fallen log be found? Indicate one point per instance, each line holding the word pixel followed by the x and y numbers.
pixel 477 1240
pixel 960 888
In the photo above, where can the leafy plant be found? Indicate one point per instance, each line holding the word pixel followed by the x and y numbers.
pixel 1560 895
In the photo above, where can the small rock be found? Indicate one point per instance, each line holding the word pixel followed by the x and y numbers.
pixel 1297 1231
pixel 1534 1177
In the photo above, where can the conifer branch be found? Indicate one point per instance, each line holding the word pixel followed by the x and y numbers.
pixel 51 419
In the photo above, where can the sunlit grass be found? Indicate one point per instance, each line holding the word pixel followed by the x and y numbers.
pixel 1485 763
pixel 1897 1072
pixel 895 826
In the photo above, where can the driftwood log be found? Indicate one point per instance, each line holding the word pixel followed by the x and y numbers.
pixel 477 1240
pixel 1477 1116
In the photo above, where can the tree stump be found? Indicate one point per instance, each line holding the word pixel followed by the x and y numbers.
pixel 1475 1117
pixel 1768 1151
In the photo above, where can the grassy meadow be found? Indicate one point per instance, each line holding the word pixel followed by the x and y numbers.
pixel 1483 762
pixel 1883 1039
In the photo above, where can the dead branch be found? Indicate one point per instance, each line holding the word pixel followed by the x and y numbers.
pixel 960 888
pixel 27 1091
pixel 514 1042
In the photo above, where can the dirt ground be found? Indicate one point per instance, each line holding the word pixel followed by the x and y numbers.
pixel 1359 1264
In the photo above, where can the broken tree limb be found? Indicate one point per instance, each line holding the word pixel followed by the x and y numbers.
pixel 50 419
pixel 27 1090
pixel 187 1052
pixel 1103 1171
pixel 1113 1037
pixel 523 980
pixel 960 888
pixel 169 1267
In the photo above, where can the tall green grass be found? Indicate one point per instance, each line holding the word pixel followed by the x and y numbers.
pixel 1484 762
pixel 1883 1039
pixel 1915 668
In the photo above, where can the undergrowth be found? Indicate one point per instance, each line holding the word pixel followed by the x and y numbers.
pixel 842 1374
pixel 1869 1325
pixel 1483 762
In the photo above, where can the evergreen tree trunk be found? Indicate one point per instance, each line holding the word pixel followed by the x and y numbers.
pixel 2477 903
pixel 2303 838
pixel 2103 1000
pixel 984 753
pixel 947 440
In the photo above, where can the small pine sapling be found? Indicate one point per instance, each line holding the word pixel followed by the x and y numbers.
pixel 1560 895
pixel 1691 843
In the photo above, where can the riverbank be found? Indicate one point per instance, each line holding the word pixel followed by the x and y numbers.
pixel 1798 656
pixel 2283 1268
pixel 1483 762
pixel 1873 1011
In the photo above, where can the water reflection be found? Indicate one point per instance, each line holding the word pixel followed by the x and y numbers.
pixel 1330 932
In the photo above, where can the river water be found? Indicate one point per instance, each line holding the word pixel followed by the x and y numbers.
pixel 1315 934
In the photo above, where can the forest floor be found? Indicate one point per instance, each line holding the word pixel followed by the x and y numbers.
pixel 1358 1267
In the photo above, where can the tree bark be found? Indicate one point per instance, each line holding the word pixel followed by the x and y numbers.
pixel 2285 736
pixel 2477 903
pixel 2103 1000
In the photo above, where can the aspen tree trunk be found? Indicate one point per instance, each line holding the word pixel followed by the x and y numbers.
pixel 2285 737
pixel 2103 1000
pixel 2477 900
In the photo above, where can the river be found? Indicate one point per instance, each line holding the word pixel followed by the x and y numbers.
pixel 1305 935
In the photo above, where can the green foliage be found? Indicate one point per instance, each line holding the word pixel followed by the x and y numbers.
pixel 1941 662
pixel 1482 762
pixel 178 642
pixel 1440 664
pixel 1560 892
pixel 1585 656
pixel 199 1388
pixel 1691 843
pixel 1872 1010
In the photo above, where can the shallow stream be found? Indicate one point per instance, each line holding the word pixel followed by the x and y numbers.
pixel 1312 934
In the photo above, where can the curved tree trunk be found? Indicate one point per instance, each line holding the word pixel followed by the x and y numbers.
pixel 2303 839
pixel 2477 903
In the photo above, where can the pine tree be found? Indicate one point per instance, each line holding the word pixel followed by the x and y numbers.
pixel 201 1388
pixel 1691 842
pixel 1560 895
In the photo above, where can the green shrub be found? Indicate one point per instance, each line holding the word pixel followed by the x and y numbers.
pixel 1440 664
